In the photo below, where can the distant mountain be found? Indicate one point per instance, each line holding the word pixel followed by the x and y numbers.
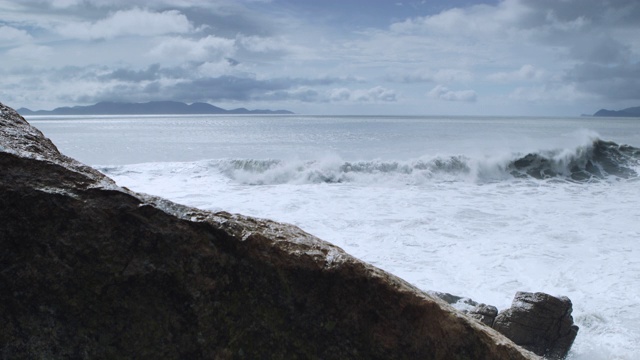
pixel 628 112
pixel 149 108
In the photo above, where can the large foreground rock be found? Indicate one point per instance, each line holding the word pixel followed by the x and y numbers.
pixel 92 270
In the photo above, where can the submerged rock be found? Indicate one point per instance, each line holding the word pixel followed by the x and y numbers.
pixel 539 322
pixel 92 270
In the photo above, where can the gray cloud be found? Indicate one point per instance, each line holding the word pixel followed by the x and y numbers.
pixel 600 13
pixel 374 94
pixel 136 22
pixel 185 84
pixel 598 36
pixel 621 82
pixel 542 51
pixel 303 94
pixel 442 93
pixel 151 73
pixel 601 49
pixel 592 30
pixel 230 23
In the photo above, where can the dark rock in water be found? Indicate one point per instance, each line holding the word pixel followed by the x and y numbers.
pixel 92 270
pixel 453 299
pixel 539 322
pixel 481 312
pixel 485 313
pixel 536 321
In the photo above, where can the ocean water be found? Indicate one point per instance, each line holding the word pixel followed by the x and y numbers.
pixel 477 207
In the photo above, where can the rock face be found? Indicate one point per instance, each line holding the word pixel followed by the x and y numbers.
pixel 539 322
pixel 92 270
pixel 485 313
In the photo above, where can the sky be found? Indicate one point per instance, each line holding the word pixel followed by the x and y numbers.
pixel 333 57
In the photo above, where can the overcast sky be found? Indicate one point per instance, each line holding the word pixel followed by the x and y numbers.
pixel 432 57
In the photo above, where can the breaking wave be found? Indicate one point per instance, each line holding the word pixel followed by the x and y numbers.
pixel 599 160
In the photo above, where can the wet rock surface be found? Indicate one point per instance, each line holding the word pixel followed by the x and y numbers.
pixel 92 270
pixel 539 322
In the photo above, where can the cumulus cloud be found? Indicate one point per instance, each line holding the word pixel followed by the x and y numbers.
pixel 133 22
pixel 442 93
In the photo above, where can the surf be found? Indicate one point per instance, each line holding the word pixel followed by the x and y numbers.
pixel 597 160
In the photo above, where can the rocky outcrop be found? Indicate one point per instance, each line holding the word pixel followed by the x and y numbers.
pixel 92 270
pixel 536 321
pixel 539 322
pixel 628 112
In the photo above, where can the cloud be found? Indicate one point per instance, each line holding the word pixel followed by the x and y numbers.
pixel 261 44
pixel 185 49
pixel 340 94
pixel 133 22
pixel 30 52
pixel 374 94
pixel 525 73
pixel 620 82
pixel 573 49
pixel 153 72
pixel 540 51
pixel 439 76
pixel 188 82
pixel 476 21
pixel 65 3
pixel 544 93
pixel 303 94
pixel 10 34
pixel 442 93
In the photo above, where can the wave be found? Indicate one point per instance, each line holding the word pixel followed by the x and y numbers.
pixel 598 160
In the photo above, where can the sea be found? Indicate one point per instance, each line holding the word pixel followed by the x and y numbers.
pixel 480 207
